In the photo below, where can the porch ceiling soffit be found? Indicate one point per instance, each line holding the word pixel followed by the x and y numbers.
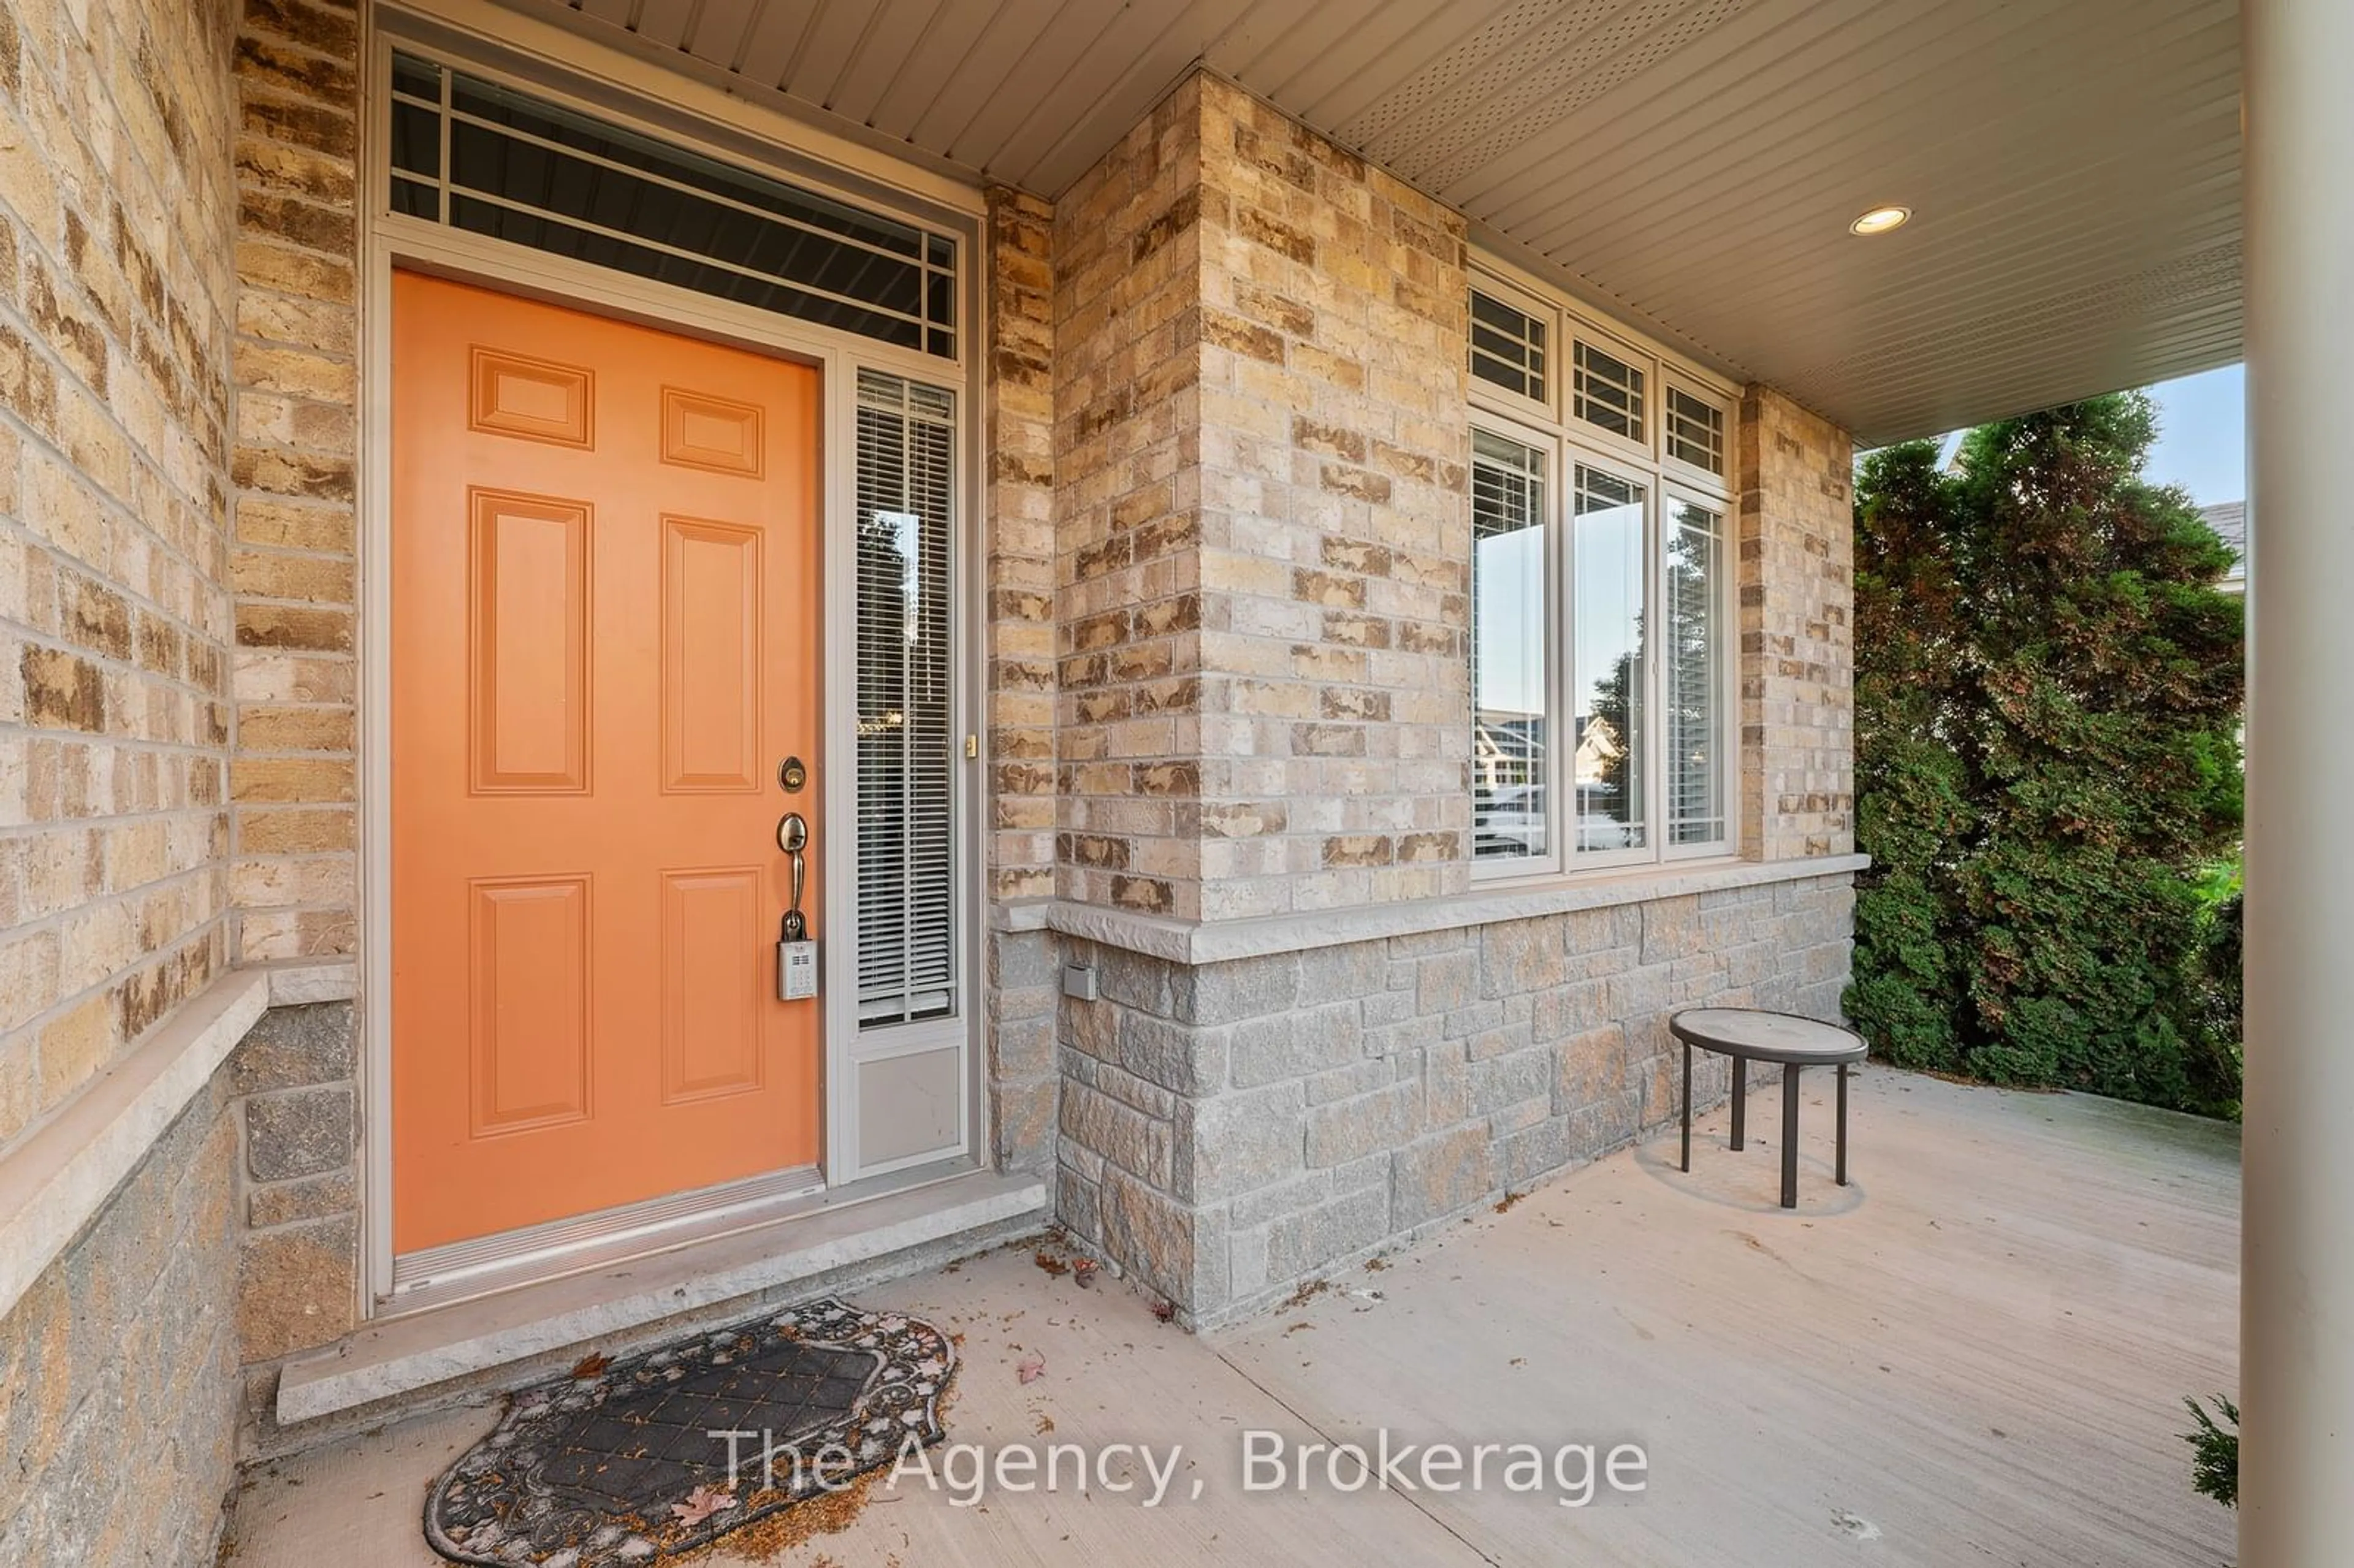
pixel 1688 165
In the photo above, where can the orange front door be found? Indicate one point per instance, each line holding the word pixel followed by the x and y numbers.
pixel 604 619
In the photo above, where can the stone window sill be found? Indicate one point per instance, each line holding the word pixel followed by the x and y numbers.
pixel 1222 941
pixel 63 1168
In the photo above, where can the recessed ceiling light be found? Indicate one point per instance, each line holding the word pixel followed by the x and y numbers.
pixel 1880 220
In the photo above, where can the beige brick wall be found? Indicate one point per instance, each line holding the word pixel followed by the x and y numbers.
pixel 293 784
pixel 1797 639
pixel 117 294
pixel 1019 995
pixel 116 288
pixel 1335 523
pixel 1019 442
pixel 293 780
pixel 1263 528
pixel 1127 373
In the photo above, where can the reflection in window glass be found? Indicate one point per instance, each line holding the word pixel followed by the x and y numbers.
pixel 1509 631
pixel 1695 687
pixel 1606 663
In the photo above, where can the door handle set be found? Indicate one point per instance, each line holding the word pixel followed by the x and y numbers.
pixel 792 838
pixel 796 954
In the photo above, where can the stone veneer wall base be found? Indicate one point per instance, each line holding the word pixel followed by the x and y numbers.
pixel 1232 1129
pixel 118 1364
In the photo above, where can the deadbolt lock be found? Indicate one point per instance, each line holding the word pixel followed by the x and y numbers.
pixel 792 775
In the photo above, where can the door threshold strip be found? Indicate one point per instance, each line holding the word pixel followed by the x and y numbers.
pixel 435 1276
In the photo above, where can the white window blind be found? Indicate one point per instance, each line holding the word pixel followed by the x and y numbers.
pixel 1695 694
pixel 906 853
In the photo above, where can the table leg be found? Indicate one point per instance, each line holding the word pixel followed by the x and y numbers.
pixel 1740 1100
pixel 1790 1136
pixel 1842 1123
pixel 1688 1105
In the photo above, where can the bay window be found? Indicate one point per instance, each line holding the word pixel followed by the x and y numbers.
pixel 1602 667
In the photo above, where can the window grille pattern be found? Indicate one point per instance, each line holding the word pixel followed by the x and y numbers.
pixel 485 158
pixel 1606 391
pixel 1508 347
pixel 1695 430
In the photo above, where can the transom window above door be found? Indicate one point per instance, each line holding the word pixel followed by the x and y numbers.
pixel 1602 654
pixel 478 155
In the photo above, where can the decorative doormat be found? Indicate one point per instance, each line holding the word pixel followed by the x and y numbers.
pixel 617 1464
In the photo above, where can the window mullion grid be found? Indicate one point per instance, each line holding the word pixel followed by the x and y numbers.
pixel 668 182
pixel 1574 441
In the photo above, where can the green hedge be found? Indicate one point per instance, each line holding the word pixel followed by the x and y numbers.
pixel 2048 689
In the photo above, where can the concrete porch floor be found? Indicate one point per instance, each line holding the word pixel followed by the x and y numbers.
pixel 1977 1354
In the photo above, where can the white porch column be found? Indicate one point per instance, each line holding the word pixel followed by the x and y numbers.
pixel 2297 1314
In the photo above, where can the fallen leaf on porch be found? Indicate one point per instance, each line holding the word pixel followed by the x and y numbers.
pixel 1165 1310
pixel 1031 1368
pixel 701 1504
pixel 1045 1424
pixel 1049 1262
pixel 1083 1272
pixel 591 1364
pixel 1309 1289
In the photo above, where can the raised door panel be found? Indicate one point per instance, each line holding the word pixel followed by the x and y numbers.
pixel 711 657
pixel 714 990
pixel 529 588
pixel 716 434
pixel 537 399
pixel 529 987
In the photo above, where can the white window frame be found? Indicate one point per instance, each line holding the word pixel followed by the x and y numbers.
pixel 1567 441
pixel 1690 473
pixel 1602 461
pixel 1546 315
pixel 1645 451
pixel 1556 663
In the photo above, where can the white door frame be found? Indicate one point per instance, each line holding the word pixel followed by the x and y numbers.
pixel 489 41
